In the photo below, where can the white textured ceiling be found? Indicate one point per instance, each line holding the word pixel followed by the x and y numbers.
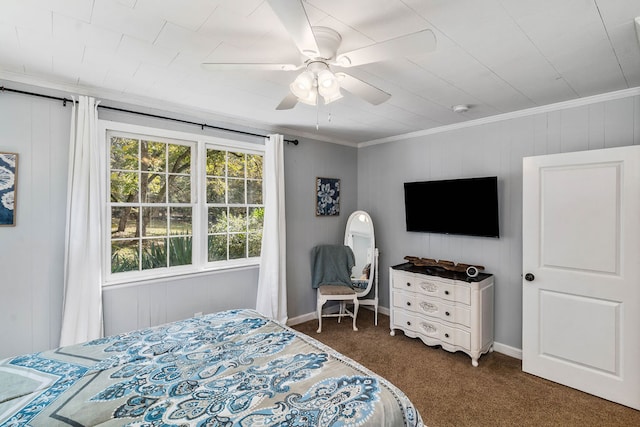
pixel 498 56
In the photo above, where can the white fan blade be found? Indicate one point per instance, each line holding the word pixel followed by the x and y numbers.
pixel 294 18
pixel 364 90
pixel 219 66
pixel 412 44
pixel 288 102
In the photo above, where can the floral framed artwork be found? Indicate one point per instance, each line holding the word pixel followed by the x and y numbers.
pixel 8 180
pixel 327 196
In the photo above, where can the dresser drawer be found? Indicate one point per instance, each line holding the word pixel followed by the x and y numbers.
pixel 432 307
pixel 431 286
pixel 432 329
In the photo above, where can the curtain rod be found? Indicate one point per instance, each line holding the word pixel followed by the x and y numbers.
pixel 202 125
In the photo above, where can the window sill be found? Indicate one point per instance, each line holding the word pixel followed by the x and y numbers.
pixel 173 276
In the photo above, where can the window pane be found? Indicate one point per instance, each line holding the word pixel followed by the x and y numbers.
pixel 181 221
pixel 217 247
pixel 180 251
pixel 154 221
pixel 254 192
pixel 254 166
pixel 124 222
pixel 154 253
pixel 153 188
pixel 179 189
pixel 124 153
pixel 124 256
pixel 124 187
pixel 255 243
pixel 256 219
pixel 215 190
pixel 179 158
pixel 237 246
pixel 236 191
pixel 216 161
pixel 217 220
pixel 236 165
pixel 152 202
pixel 237 219
pixel 153 156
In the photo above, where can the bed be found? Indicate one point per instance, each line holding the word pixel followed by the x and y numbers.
pixel 233 368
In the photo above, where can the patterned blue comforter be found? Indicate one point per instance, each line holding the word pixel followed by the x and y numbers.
pixel 234 368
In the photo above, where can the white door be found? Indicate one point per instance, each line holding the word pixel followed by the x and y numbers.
pixel 581 278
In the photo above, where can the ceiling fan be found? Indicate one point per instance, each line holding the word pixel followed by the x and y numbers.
pixel 320 46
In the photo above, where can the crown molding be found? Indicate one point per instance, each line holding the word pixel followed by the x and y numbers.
pixel 578 102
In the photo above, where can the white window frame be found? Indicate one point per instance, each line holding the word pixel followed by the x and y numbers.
pixel 200 264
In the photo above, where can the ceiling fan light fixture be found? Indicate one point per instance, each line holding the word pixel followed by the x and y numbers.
pixel 326 79
pixel 309 98
pixel 328 86
pixel 334 96
pixel 304 81
pixel 303 85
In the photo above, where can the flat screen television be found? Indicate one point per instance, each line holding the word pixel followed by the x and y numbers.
pixel 455 206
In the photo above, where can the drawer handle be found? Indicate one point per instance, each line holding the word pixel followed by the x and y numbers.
pixel 428 307
pixel 409 284
pixel 429 328
pixel 408 323
pixel 446 335
pixel 447 313
pixel 429 287
pixel 446 292
pixel 409 303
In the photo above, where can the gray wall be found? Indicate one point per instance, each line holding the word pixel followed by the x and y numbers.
pixel 31 254
pixel 304 229
pixel 483 150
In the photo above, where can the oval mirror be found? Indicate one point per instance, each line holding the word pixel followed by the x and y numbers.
pixel 359 236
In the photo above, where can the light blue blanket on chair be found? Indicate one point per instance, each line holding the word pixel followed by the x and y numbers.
pixel 331 265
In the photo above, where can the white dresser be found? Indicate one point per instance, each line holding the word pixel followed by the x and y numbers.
pixel 443 308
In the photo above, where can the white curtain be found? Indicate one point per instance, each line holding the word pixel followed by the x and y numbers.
pixel 272 280
pixel 82 310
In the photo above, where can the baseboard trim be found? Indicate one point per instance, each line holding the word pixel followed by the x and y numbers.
pixel 507 350
pixel 332 309
pixel 498 347
pixel 292 321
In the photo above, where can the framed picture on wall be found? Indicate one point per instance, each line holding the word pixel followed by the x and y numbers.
pixel 8 180
pixel 327 196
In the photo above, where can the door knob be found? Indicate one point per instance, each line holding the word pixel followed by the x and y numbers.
pixel 529 277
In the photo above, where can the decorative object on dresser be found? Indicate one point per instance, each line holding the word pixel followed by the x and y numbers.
pixel 447 265
pixel 442 305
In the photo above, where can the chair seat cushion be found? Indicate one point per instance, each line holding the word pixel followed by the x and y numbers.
pixel 336 290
